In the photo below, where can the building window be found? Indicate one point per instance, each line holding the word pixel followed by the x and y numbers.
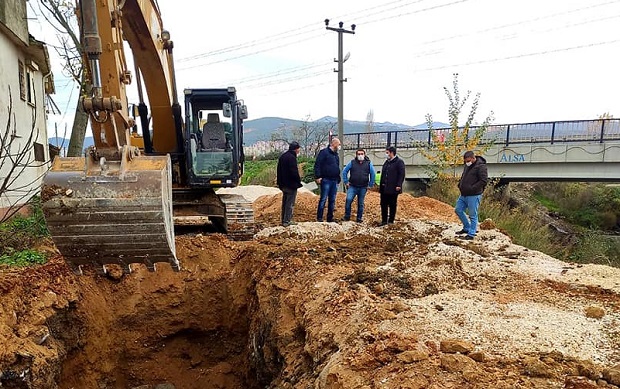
pixel 30 91
pixel 39 152
pixel 22 80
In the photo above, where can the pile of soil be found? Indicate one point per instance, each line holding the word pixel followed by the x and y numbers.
pixel 267 208
pixel 319 305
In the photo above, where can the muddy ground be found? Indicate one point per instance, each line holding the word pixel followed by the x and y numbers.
pixel 319 305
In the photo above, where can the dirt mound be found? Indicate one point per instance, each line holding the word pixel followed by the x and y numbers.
pixel 319 305
pixel 267 208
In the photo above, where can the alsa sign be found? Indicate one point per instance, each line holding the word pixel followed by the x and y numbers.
pixel 508 157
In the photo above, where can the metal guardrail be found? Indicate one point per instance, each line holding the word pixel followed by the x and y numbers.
pixel 600 130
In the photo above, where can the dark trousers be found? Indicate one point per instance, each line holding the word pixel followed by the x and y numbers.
pixel 388 207
pixel 288 202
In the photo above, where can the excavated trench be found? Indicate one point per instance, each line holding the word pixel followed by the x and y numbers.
pixel 189 333
pixel 200 328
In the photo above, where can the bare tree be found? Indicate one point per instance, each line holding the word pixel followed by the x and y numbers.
pixel 310 135
pixel 370 127
pixel 61 15
pixel 17 155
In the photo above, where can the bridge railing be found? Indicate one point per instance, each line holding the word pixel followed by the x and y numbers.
pixel 600 130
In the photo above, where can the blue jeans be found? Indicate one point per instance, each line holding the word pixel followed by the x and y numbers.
pixel 353 191
pixel 471 204
pixel 328 191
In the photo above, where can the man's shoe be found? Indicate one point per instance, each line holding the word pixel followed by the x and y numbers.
pixel 292 223
pixel 462 232
pixel 467 237
pixel 383 224
pixel 358 221
pixel 319 220
pixel 286 224
pixel 346 219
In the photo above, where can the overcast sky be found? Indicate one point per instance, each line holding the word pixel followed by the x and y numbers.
pixel 531 60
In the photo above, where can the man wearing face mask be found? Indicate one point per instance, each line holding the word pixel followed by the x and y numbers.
pixel 472 183
pixel 391 184
pixel 358 176
pixel 288 181
pixel 327 175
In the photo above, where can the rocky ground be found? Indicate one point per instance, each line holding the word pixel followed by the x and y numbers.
pixel 319 305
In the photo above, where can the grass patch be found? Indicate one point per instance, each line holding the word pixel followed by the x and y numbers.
pixel 20 234
pixel 546 202
pixel 22 258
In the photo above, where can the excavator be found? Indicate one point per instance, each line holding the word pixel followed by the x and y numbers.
pixel 118 204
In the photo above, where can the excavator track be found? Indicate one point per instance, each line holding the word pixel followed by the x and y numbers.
pixel 240 217
pixel 228 214
pixel 102 218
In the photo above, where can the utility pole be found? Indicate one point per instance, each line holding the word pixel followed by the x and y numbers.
pixel 341 80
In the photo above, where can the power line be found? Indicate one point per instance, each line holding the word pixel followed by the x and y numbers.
pixel 520 56
pixel 459 36
pixel 281 35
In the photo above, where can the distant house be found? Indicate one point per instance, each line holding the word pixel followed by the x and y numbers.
pixel 25 80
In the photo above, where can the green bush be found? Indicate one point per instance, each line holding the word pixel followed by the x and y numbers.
pixel 20 233
pixel 26 257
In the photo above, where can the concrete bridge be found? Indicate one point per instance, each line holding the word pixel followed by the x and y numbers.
pixel 584 150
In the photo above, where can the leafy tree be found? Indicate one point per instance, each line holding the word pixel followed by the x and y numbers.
pixel 61 15
pixel 448 146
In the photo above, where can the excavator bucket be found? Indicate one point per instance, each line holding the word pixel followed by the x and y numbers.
pixel 111 216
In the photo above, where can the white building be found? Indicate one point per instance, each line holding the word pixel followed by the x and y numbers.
pixel 25 80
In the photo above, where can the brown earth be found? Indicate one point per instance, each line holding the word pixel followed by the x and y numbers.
pixel 319 305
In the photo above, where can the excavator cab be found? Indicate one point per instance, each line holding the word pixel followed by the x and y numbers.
pixel 214 129
pixel 214 159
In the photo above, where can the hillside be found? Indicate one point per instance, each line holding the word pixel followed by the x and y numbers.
pixel 322 306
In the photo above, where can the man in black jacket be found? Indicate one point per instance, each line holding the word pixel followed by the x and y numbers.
pixel 472 183
pixel 327 175
pixel 288 181
pixel 391 184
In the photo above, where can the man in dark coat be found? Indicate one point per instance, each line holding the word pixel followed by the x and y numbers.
pixel 288 181
pixel 327 175
pixel 391 184
pixel 472 183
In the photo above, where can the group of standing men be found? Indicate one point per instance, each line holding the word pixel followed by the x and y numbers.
pixel 359 176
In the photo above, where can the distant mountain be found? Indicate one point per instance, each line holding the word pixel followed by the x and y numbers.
pixel 64 142
pixel 261 129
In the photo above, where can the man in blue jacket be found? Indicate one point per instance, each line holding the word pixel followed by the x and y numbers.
pixel 288 181
pixel 362 177
pixel 327 175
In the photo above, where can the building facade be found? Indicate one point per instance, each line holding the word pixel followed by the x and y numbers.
pixel 25 81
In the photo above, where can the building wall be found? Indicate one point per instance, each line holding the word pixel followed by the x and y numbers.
pixel 27 116
pixel 14 19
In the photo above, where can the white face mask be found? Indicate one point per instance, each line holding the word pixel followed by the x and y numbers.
pixel 360 157
pixel 468 163
pixel 387 156
pixel 339 148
